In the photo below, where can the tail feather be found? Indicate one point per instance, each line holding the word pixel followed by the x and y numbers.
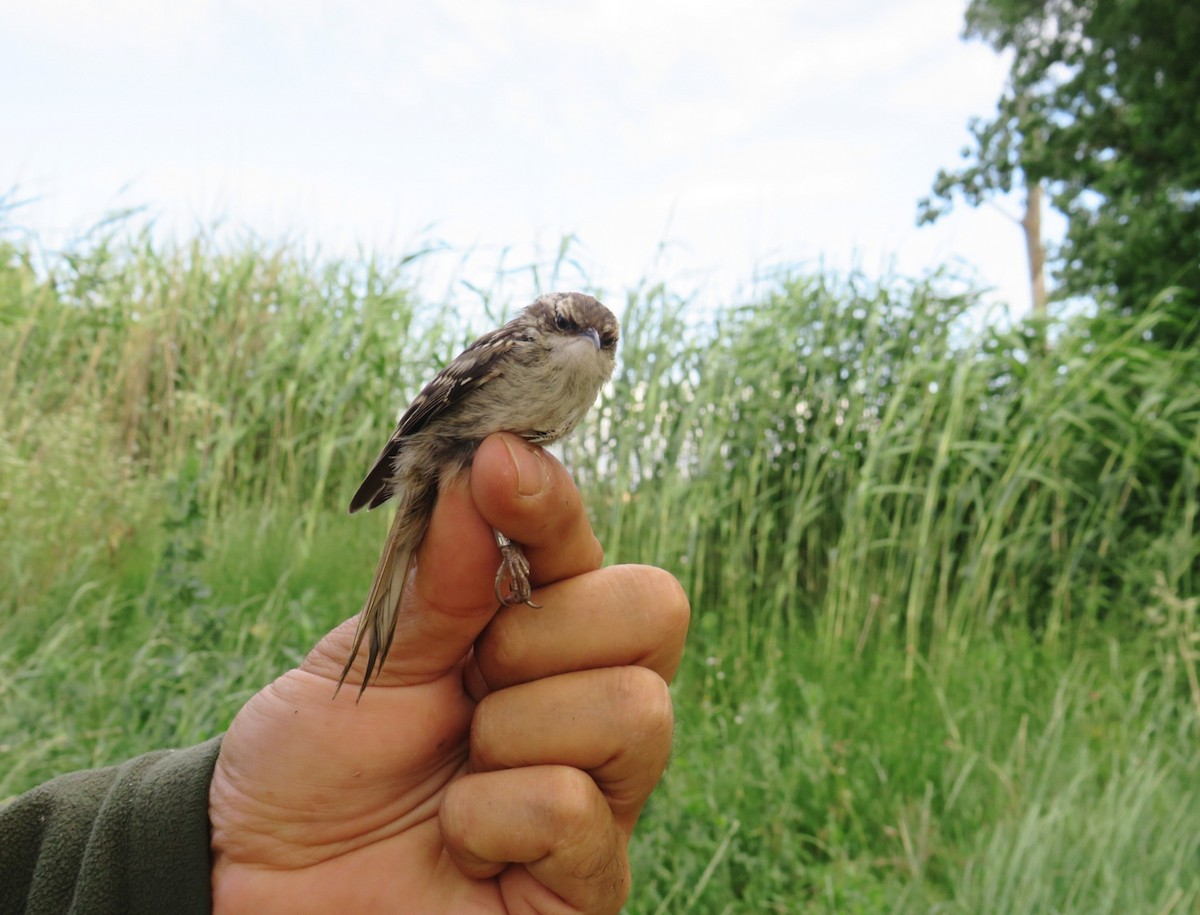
pixel 378 617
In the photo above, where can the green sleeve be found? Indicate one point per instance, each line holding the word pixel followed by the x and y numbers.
pixel 131 838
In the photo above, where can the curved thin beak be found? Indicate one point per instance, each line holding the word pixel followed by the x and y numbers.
pixel 593 333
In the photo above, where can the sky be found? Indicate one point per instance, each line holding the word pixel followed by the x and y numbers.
pixel 700 143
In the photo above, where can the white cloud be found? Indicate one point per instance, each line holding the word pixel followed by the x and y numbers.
pixel 743 131
pixel 115 25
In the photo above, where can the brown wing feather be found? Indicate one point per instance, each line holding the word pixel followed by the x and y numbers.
pixel 471 368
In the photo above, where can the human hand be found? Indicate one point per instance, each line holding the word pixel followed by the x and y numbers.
pixel 500 761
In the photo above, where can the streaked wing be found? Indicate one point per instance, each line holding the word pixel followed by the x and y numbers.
pixel 473 367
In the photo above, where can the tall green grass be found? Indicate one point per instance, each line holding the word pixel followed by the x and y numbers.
pixel 945 646
pixel 836 457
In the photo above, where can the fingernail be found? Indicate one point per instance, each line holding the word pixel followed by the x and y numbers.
pixel 531 468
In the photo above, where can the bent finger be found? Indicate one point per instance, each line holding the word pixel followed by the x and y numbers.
pixel 553 824
pixel 616 616
pixel 616 724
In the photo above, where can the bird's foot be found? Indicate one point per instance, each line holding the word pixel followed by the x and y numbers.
pixel 514 569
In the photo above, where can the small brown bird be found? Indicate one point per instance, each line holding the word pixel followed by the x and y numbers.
pixel 536 376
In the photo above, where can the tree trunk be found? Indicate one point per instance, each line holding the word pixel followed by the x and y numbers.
pixel 1031 222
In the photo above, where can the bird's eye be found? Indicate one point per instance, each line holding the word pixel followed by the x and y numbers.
pixel 560 320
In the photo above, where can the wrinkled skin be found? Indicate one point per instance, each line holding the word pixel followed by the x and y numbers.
pixel 500 761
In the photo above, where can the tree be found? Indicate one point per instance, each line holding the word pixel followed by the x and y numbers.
pixel 1102 108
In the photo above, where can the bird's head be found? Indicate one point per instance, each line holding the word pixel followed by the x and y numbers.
pixel 578 320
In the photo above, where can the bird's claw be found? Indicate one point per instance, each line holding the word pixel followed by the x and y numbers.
pixel 514 569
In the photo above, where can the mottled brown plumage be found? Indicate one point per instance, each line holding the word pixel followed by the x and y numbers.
pixel 536 376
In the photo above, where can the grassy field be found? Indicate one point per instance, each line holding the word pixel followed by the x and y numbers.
pixel 945 643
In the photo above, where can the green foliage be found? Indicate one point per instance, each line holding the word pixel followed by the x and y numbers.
pixel 945 647
pixel 1009 780
pixel 837 427
pixel 223 354
pixel 1100 105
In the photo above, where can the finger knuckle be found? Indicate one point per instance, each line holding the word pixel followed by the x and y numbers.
pixel 661 592
pixel 644 700
pixel 571 800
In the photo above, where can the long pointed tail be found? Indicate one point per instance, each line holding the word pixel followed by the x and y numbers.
pixel 377 622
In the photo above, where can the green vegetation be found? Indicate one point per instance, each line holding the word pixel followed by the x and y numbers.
pixel 945 644
pixel 1100 109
